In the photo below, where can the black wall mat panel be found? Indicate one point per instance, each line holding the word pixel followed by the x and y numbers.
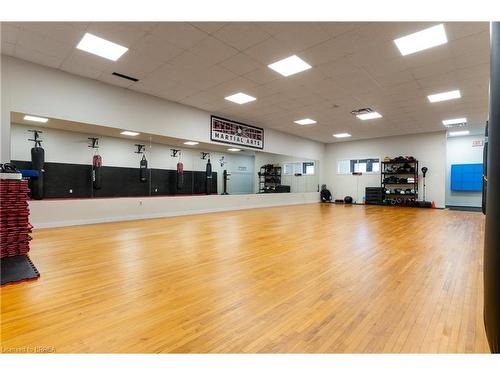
pixel 60 178
pixel 121 182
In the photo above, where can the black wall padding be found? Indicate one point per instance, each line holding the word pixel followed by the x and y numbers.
pixel 121 182
pixel 492 234
pixel 59 178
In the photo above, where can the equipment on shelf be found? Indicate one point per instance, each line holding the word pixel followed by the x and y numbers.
pixel 208 178
pixel 348 200
pixel 225 176
pixel 399 181
pixel 270 180
pixel 37 163
pixel 325 194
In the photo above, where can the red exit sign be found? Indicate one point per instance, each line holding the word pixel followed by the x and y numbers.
pixel 477 142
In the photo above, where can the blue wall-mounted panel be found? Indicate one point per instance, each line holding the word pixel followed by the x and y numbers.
pixel 466 177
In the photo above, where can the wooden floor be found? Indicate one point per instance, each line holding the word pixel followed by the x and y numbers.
pixel 302 279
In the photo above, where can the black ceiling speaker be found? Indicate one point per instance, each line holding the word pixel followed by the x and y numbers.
pixel 424 171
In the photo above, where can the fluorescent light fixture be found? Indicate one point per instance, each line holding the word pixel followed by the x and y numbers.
pixel 289 66
pixel 191 143
pixel 459 133
pixel 442 96
pixel 240 98
pixel 369 116
pixel 126 132
pixel 421 40
pixel 101 47
pixel 35 118
pixel 233 149
pixel 455 121
pixel 305 121
pixel 342 135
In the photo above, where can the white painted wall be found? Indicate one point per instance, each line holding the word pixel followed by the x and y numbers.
pixel 459 150
pixel 58 213
pixel 32 88
pixel 429 149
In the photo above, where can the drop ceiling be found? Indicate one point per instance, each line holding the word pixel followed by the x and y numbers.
pixel 354 65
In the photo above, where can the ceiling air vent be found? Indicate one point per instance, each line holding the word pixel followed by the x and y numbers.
pixel 362 111
pixel 125 77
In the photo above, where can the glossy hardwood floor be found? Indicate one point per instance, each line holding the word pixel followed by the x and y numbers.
pixel 308 279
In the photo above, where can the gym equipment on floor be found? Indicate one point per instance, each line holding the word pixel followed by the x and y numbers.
pixel 17 268
pixel 208 178
pixel 225 176
pixel 37 163
pixel 325 194
pixel 492 234
pixel 96 164
pixel 348 200
pixel 374 195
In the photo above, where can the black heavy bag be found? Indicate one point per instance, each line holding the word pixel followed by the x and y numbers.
pixel 96 172
pixel 492 234
pixel 208 178
pixel 37 163
pixel 143 169
pixel 180 175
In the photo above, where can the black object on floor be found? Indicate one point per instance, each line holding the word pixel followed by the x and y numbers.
pixel 464 208
pixel 17 268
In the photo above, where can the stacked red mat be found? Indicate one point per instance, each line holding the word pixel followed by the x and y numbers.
pixel 14 218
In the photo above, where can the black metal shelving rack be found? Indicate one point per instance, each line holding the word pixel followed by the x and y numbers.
pixel 269 178
pixel 397 198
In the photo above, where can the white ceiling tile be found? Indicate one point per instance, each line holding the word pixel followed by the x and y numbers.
pixel 240 64
pixel 79 58
pixel 262 75
pixel 241 35
pixel 181 34
pixel 302 35
pixel 270 51
pixel 84 70
pixel 9 32
pixel 135 64
pixel 7 48
pixel 209 27
pixel 213 51
pixel 114 80
pixel 156 48
pixel 433 69
pixel 66 32
pixel 47 46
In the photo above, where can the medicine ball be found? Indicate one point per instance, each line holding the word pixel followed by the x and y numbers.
pixel 348 200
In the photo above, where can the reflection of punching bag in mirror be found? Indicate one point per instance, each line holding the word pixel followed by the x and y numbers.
pixel 37 163
pixel 208 178
pixel 143 169
pixel 96 172
pixel 180 175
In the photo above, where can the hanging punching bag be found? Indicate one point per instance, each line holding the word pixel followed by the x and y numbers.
pixel 37 163
pixel 180 175
pixel 492 234
pixel 96 172
pixel 143 169
pixel 208 178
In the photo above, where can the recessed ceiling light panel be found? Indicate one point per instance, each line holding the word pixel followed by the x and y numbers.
pixel 240 98
pixel 422 40
pixel 369 116
pixel 234 149
pixel 455 121
pixel 289 66
pixel 342 135
pixel 459 133
pixel 132 134
pixel 191 143
pixel 35 118
pixel 443 96
pixel 305 121
pixel 101 47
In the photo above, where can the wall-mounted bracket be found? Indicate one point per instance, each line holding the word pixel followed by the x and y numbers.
pixel 93 142
pixel 36 137
pixel 140 148
pixel 204 155
pixel 175 152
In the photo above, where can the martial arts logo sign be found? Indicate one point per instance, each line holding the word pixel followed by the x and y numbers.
pixel 236 133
